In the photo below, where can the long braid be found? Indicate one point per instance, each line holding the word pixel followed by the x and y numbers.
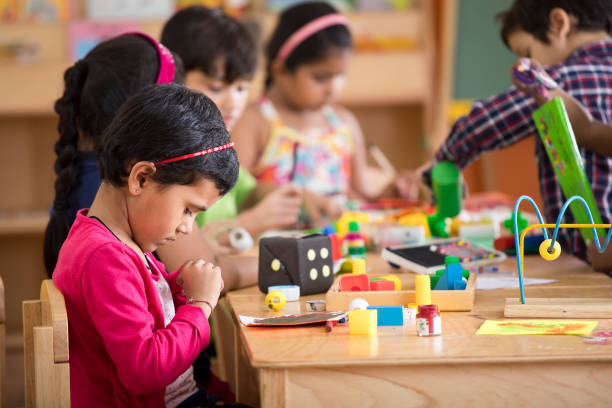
pixel 66 164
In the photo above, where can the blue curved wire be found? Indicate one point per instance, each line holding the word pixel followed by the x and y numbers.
pixel 516 238
pixel 600 247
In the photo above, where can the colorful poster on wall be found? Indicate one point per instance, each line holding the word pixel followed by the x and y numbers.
pixel 46 10
pixel 36 10
pixel 83 35
pixel 129 9
pixel 9 10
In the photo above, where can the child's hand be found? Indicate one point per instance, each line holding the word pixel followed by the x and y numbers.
pixel 216 234
pixel 410 186
pixel 201 280
pixel 600 261
pixel 278 209
pixel 530 77
pixel 321 209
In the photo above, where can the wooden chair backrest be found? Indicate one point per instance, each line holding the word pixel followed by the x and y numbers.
pixel 45 336
pixel 2 348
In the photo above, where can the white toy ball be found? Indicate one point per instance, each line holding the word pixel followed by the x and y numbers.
pixel 358 303
pixel 240 239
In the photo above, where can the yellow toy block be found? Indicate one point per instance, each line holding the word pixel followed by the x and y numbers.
pixel 416 220
pixel 359 266
pixel 363 322
pixel 348 216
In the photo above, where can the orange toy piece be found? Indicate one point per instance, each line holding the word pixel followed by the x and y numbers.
pixel 382 285
pixel 354 283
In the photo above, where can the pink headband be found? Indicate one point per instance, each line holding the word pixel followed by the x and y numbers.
pixel 166 60
pixel 200 153
pixel 307 30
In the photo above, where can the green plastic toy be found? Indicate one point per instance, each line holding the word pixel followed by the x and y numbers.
pixel 448 193
pixel 558 138
pixel 522 223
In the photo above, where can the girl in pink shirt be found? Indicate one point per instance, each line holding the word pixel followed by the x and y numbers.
pixel 134 330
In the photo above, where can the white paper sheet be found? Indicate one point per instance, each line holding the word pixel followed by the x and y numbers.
pixel 488 282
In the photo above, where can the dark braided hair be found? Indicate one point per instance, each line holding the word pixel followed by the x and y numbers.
pixel 66 147
pixel 95 88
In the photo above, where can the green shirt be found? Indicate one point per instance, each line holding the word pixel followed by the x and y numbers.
pixel 228 205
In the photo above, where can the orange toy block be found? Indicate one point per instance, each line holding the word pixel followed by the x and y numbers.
pixel 354 283
pixel 382 285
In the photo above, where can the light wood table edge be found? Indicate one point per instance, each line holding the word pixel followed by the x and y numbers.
pixel 257 364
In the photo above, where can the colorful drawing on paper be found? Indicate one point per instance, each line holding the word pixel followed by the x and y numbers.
pixel 601 338
pixel 522 327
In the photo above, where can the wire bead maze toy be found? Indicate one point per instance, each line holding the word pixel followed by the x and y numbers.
pixel 550 249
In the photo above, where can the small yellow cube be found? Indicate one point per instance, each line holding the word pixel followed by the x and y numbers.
pixel 359 266
pixel 363 322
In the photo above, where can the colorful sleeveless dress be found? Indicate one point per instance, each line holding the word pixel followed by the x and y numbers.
pixel 319 161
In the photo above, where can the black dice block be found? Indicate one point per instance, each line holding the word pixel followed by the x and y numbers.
pixel 306 262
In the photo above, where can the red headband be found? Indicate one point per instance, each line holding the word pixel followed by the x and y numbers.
pixel 166 60
pixel 200 153
pixel 307 30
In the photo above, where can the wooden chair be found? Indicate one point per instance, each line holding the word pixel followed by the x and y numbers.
pixel 45 336
pixel 2 348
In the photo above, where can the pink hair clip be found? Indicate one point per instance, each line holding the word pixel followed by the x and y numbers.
pixel 166 60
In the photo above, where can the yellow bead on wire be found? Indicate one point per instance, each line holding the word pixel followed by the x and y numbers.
pixel 550 255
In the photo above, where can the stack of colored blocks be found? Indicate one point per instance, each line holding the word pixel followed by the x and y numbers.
pixel 451 277
pixel 356 282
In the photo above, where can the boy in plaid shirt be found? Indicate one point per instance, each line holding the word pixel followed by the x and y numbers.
pixel 572 40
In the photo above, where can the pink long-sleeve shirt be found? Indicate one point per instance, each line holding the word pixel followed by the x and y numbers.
pixel 120 352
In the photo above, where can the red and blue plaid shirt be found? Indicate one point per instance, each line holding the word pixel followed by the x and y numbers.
pixel 505 119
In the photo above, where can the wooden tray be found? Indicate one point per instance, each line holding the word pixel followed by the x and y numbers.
pixel 447 300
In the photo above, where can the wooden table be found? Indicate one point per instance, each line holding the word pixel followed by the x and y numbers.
pixel 307 367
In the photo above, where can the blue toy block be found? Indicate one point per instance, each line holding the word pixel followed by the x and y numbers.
pixel 389 315
pixel 452 273
pixel 459 284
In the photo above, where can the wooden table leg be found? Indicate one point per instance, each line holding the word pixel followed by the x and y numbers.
pixel 246 377
pixel 224 341
pixel 273 387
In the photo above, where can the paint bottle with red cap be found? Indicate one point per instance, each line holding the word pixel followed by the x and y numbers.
pixel 428 321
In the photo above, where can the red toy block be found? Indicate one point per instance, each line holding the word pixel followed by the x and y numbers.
pixel 504 243
pixel 336 245
pixel 382 285
pixel 354 283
